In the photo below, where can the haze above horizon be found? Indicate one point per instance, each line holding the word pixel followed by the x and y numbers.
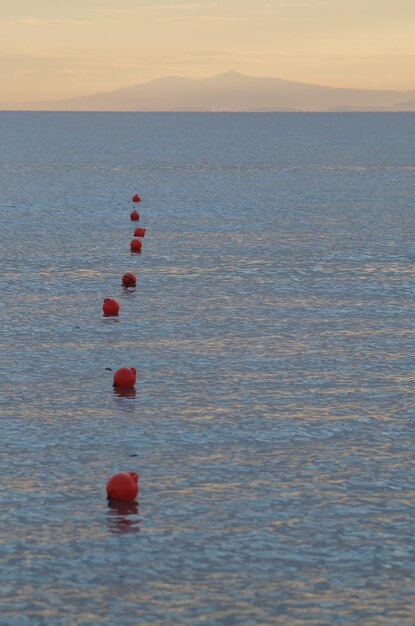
pixel 51 51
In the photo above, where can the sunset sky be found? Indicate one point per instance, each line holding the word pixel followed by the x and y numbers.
pixel 55 49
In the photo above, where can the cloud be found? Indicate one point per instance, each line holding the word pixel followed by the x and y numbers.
pixel 210 53
pixel 32 21
pixel 121 11
pixel 147 9
pixel 177 7
pixel 172 12
pixel 36 22
pixel 200 18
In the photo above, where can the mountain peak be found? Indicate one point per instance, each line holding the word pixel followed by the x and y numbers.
pixel 229 75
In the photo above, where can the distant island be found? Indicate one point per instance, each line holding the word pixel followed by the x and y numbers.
pixel 231 91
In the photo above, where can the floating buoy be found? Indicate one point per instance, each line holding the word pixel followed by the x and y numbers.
pixel 136 198
pixel 134 216
pixel 110 306
pixel 129 280
pixel 140 232
pixel 125 377
pixel 123 486
pixel 136 245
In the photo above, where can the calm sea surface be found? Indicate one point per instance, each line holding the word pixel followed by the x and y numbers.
pixel 273 333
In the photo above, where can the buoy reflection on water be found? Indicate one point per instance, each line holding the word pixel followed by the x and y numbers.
pixel 122 517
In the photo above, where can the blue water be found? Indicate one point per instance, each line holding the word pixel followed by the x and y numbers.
pixel 273 333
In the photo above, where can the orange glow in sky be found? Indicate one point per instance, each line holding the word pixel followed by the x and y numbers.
pixel 52 49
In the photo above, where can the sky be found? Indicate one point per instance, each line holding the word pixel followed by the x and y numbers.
pixel 61 49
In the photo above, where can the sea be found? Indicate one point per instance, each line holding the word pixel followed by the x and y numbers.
pixel 272 329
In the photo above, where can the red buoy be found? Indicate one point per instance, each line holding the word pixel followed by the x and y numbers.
pixel 125 377
pixel 129 280
pixel 123 486
pixel 136 198
pixel 110 306
pixel 140 232
pixel 136 245
pixel 134 216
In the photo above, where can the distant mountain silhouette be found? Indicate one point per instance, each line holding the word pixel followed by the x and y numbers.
pixel 231 91
pixel 395 108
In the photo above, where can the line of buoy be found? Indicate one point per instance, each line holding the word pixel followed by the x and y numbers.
pixel 110 306
pixel 129 280
pixel 125 377
pixel 124 486
pixel 134 216
pixel 136 245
